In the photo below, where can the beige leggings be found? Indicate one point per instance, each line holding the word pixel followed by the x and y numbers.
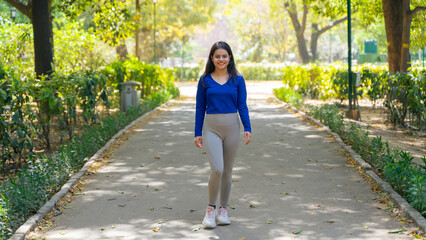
pixel 222 138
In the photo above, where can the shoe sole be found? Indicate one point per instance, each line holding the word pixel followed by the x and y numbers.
pixel 208 226
pixel 223 224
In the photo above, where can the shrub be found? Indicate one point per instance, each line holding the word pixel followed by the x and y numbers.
pixel 38 181
pixel 288 96
pixel 396 166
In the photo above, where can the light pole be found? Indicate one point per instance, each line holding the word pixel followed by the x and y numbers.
pixel 349 56
pixel 330 23
pixel 155 44
pixel 13 14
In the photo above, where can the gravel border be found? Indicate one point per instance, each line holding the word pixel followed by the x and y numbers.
pixel 29 225
pixel 400 201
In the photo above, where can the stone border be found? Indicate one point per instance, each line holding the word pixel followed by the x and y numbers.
pixel 29 225
pixel 400 201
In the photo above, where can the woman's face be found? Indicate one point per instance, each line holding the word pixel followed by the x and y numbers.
pixel 220 59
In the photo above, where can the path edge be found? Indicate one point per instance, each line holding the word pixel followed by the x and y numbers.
pixel 29 225
pixel 398 199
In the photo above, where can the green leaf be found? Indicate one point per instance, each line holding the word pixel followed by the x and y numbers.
pixel 397 231
pixel 298 231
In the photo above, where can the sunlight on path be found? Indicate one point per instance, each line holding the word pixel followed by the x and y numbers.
pixel 291 179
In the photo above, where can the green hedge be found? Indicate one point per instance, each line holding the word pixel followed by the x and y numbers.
pixel 396 166
pixel 24 194
pixel 30 106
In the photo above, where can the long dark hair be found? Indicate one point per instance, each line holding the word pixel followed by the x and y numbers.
pixel 232 69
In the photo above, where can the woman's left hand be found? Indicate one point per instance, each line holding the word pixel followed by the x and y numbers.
pixel 247 137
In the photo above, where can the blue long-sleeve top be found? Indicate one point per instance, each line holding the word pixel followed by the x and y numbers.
pixel 213 98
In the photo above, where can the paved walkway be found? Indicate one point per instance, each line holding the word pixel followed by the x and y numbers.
pixel 291 179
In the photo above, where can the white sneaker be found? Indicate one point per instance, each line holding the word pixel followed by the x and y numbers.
pixel 209 220
pixel 222 217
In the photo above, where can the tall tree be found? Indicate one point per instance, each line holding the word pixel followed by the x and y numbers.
pixel 321 10
pixel 39 13
pixel 398 19
pixel 263 32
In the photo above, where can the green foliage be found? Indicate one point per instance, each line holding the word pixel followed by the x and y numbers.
pixel 5 217
pixel 260 71
pixel 15 130
pixel 189 73
pixel 37 182
pixel 396 166
pixel 151 77
pixel 407 94
pixel 289 96
pixel 78 49
pixel 330 116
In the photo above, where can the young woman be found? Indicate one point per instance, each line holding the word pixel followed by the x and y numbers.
pixel 221 94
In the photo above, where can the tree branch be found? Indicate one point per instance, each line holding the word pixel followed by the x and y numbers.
pixel 334 24
pixel 305 14
pixel 24 9
pixel 417 9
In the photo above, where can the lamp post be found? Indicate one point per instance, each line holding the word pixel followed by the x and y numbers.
pixel 13 14
pixel 155 44
pixel 349 56
pixel 330 23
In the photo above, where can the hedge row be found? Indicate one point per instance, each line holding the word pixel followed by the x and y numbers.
pixel 41 176
pixel 396 166
pixel 30 109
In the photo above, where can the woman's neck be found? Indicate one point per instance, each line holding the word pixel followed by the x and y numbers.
pixel 220 73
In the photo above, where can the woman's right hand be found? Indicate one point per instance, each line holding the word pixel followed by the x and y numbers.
pixel 198 141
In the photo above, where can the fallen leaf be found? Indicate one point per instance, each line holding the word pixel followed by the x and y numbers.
pixel 62 233
pixel 121 205
pixel 397 231
pixel 243 238
pixel 101 229
pixel 232 207
pixel 156 189
pixel 298 231
pixel 204 152
pixel 365 227
pixel 157 157
pixel 360 201
pixel 196 229
pixel 120 192
pixel 68 207
pixel 151 208
pixel 252 206
pixel 192 210
pixel 331 221
pixel 156 229
pixel 284 193
pixel 167 207
pixel 82 193
pixel 269 222
pixel 283 182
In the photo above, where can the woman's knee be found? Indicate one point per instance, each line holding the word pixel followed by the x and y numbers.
pixel 216 172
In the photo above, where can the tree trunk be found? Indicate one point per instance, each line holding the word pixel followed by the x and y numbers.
pixel 43 37
pixel 121 50
pixel 406 23
pixel 314 41
pixel 299 29
pixel 393 14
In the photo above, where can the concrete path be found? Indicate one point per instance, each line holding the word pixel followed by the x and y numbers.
pixel 291 182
